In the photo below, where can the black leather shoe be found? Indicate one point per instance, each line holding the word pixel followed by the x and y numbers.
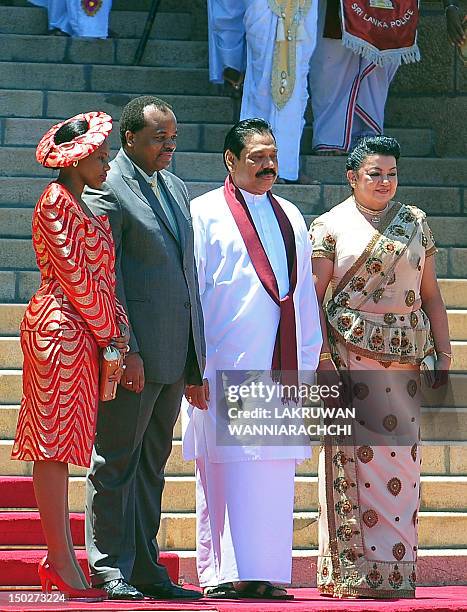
pixel 167 590
pixel 119 589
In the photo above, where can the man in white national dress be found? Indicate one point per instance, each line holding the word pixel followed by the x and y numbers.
pixel 280 37
pixel 261 314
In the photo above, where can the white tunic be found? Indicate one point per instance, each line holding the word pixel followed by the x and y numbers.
pixel 69 16
pixel 287 123
pixel 240 318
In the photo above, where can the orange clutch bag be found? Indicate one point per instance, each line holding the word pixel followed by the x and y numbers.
pixel 111 360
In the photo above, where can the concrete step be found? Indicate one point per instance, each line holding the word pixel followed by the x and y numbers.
pixel 18 286
pixel 54 49
pixel 433 200
pixel 202 137
pixel 10 354
pixel 111 78
pixel 10 317
pixel 446 494
pixel 458 324
pixel 454 292
pixel 16 161
pixel 176 465
pixel 434 567
pixel 442 459
pixel 448 231
pixel 437 423
pixel 206 137
pixel 311 199
pixel 170 6
pixel 454 396
pixel 10 386
pixel 17 254
pixel 459 355
pixel 125 24
pixel 61 105
pixel 436 530
pixel 331 170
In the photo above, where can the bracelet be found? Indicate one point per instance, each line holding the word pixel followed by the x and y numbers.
pixel 444 353
pixel 325 356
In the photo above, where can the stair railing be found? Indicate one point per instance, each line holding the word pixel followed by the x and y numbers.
pixel 146 32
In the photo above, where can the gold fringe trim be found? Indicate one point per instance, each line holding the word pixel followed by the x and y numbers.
pixel 339 592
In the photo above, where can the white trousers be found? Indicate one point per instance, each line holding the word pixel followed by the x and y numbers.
pixel 244 512
pixel 287 124
pixel 348 93
pixel 226 37
pixel 69 16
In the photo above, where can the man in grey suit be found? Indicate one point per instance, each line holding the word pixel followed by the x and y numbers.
pixel 157 284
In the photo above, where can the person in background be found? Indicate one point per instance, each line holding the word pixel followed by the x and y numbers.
pixel 349 82
pixel 281 37
pixel 386 314
pixel 456 23
pixel 73 314
pixel 77 18
pixel 226 37
pixel 348 91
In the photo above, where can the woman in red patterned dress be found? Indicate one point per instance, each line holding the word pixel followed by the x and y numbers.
pixel 70 318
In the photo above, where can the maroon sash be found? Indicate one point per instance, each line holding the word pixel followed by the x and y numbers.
pixel 284 365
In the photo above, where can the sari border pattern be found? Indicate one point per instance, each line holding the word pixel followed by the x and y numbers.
pixel 346 572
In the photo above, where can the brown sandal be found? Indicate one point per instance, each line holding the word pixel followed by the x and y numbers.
pixel 263 590
pixel 221 591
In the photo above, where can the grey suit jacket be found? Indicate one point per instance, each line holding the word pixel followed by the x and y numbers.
pixel 156 275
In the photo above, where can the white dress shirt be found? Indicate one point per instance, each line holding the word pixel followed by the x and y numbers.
pixel 270 235
pixel 160 195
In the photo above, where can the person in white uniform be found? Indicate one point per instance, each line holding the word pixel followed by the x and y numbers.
pixel 280 44
pixel 78 18
pixel 226 38
pixel 348 92
pixel 260 311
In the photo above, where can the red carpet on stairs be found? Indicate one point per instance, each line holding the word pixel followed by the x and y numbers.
pixel 18 566
pixel 24 528
pixel 439 599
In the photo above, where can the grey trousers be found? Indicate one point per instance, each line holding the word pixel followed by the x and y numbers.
pixel 125 483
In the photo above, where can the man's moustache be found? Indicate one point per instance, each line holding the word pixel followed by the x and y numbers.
pixel 265 172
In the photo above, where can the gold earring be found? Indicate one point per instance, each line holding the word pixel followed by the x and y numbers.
pixel 75 164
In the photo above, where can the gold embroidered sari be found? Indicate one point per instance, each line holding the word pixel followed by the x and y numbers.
pixel 369 490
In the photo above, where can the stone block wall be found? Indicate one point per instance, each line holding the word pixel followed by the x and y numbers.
pixel 433 92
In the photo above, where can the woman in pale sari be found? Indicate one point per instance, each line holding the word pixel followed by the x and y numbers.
pixel 386 314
